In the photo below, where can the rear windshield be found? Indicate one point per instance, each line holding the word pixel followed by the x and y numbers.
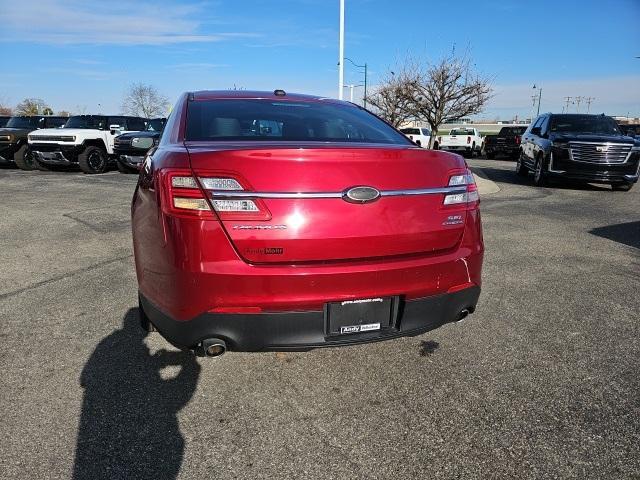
pixel 410 131
pixel 23 122
pixel 598 124
pixel 461 131
pixel 512 130
pixel 268 120
pixel 86 121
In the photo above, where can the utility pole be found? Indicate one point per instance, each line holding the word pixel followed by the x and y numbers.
pixel 565 109
pixel 341 54
pixel 589 100
pixel 364 99
pixel 539 98
pixel 578 102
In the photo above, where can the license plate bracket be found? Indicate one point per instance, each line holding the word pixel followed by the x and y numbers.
pixel 360 316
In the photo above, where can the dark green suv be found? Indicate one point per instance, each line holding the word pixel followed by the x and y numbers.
pixel 13 138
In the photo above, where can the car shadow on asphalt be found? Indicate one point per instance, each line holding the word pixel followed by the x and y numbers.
pixel 509 175
pixel 128 425
pixel 625 233
pixel 428 347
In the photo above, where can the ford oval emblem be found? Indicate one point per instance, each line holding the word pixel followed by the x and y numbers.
pixel 361 195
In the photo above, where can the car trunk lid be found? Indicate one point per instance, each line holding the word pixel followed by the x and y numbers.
pixel 303 216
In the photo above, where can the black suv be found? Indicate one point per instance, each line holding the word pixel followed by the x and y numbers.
pixel 13 137
pixel 588 148
pixel 131 148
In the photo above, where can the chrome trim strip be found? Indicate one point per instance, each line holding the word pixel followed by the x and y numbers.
pixel 299 195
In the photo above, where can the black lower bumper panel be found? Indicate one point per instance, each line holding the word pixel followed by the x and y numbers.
pixel 306 330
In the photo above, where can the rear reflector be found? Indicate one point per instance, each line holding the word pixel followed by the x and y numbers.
pixel 190 203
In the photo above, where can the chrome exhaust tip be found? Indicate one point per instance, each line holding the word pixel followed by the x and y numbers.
pixel 464 313
pixel 213 347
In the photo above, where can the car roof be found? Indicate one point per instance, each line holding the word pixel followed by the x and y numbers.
pixel 256 94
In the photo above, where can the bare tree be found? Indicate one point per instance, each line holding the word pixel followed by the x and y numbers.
pixel 433 93
pixel 31 106
pixel 391 102
pixel 5 109
pixel 145 101
pixel 447 91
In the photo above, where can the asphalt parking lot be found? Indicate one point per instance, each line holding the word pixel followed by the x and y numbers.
pixel 541 382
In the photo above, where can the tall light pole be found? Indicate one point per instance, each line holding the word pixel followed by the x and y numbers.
pixel 341 54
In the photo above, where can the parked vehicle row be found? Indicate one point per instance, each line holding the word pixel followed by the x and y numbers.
pixel 506 142
pixel 14 137
pixel 86 141
pixel 588 148
pixel 130 148
pixel 419 135
pixel 466 141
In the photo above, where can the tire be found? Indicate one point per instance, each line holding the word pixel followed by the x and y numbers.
pixel 539 173
pixel 93 160
pixel 24 158
pixel 490 155
pixel 145 323
pixel 621 187
pixel 43 167
pixel 122 168
pixel 521 169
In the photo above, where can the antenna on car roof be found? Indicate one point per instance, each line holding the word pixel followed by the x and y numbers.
pixel 279 93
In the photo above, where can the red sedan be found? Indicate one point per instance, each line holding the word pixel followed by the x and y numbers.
pixel 266 220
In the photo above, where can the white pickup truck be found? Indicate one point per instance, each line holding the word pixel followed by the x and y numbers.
pixel 466 141
pixel 85 140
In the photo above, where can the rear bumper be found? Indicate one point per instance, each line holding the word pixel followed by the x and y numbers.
pixel 302 330
pixel 502 149
pixel 455 148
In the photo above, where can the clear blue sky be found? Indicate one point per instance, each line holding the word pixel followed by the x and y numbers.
pixel 78 54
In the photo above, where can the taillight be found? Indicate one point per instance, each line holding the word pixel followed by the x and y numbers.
pixel 185 197
pixel 470 197
pixel 517 140
pixel 468 139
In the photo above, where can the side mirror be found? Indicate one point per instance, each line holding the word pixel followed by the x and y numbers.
pixel 536 131
pixel 114 129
